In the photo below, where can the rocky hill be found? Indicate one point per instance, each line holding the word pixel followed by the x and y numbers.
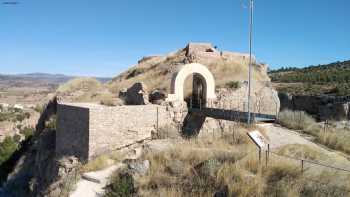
pixel 156 71
pixel 230 72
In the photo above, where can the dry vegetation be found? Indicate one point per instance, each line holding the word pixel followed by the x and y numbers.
pixel 85 84
pixel 157 72
pixel 102 162
pixel 86 90
pixel 337 139
pixel 225 166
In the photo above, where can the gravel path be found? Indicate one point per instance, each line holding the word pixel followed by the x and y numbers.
pixel 87 188
pixel 280 136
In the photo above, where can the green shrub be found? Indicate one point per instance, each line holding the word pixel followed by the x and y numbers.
pixel 38 108
pixel 26 115
pixel 233 84
pixel 51 124
pixel 121 185
pixel 20 117
pixel 7 148
pixel 27 132
pixel 17 138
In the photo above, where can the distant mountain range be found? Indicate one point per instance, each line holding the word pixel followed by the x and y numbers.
pixel 37 80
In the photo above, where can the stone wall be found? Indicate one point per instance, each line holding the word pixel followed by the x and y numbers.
pixel 115 127
pixel 264 99
pixel 72 135
pixel 87 130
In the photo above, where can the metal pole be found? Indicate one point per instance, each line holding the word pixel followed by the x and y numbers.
pixel 302 166
pixel 157 123
pixel 250 55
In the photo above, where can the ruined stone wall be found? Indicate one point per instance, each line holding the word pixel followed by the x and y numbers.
pixel 87 130
pixel 72 134
pixel 264 99
pixel 115 127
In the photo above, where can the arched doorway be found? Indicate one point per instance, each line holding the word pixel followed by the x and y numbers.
pixel 198 96
pixel 203 87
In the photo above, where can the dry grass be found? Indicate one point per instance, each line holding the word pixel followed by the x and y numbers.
pixel 176 170
pixel 83 83
pixel 207 165
pixel 158 74
pixel 301 151
pixel 298 120
pixel 102 162
pixel 337 139
pixel 108 99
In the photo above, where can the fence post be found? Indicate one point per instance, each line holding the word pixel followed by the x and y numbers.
pixel 302 166
pixel 213 134
pixel 259 155
pixel 300 119
pixel 233 133
pixel 157 122
pixel 267 153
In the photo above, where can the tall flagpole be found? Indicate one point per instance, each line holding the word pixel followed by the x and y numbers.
pixel 250 56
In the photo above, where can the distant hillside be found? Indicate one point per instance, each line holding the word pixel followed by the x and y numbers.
pixel 331 79
pixel 37 80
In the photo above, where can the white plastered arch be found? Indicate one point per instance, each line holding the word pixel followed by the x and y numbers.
pixel 178 81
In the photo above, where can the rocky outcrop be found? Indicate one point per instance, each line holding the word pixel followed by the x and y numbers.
pixel 264 99
pixel 39 172
pixel 49 110
pixel 322 107
pixel 137 94
pixel 157 97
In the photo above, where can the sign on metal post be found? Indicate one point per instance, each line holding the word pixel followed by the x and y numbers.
pixel 258 139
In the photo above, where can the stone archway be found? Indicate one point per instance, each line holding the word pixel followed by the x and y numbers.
pixel 201 74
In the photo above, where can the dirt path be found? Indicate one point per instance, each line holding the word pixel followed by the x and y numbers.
pixel 86 188
pixel 280 136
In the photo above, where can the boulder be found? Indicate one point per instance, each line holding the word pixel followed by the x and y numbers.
pixel 136 95
pixel 122 93
pixel 138 167
pixel 157 97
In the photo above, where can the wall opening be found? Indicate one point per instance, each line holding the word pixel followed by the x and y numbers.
pixel 195 91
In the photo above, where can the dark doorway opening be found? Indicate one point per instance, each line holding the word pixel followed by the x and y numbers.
pixel 195 93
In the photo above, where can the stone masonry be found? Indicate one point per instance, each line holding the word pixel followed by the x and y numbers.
pixel 87 130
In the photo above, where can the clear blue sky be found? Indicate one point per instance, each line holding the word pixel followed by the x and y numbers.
pixel 103 38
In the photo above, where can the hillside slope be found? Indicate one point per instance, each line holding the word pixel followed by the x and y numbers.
pixel 333 78
pixel 156 71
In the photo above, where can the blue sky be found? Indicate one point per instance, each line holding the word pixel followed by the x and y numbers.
pixel 103 38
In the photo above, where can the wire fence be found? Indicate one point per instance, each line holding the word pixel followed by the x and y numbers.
pixel 322 186
pixel 302 162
